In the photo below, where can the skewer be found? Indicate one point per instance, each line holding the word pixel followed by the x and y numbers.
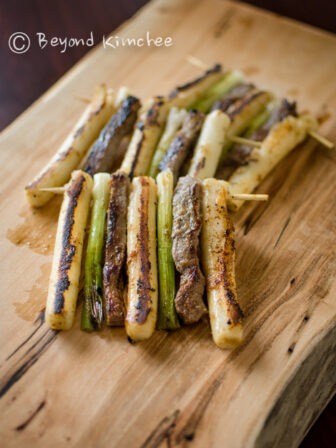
pixel 319 138
pixel 237 196
pixel 82 99
pixel 323 140
pixel 245 141
pixel 249 197
pixel 55 190
pixel 197 62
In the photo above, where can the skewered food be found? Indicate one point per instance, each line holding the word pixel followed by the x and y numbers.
pixel 209 146
pixel 182 144
pixel 186 95
pixel 93 307
pixel 282 139
pixel 218 90
pixel 241 113
pixel 115 249
pixel 142 296
pixel 58 171
pixel 218 258
pixel 103 152
pixel 241 153
pixel 65 271
pixel 237 93
pixel 145 138
pixel 247 130
pixel 174 121
pixel 151 124
pixel 187 221
pixel 167 317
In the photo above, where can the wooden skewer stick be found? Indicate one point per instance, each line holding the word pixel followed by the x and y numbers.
pixel 197 62
pixel 245 141
pixel 237 196
pixel 55 190
pixel 82 99
pixel 323 140
pixel 249 197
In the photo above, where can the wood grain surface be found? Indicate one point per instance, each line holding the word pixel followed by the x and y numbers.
pixel 176 389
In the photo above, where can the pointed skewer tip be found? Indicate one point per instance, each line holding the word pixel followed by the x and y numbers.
pixel 55 190
pixel 323 140
pixel 245 141
pixel 249 197
pixel 82 99
pixel 197 62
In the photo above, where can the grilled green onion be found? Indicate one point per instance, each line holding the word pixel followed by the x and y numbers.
pixel 92 311
pixel 167 317
pixel 259 120
pixel 174 121
pixel 215 92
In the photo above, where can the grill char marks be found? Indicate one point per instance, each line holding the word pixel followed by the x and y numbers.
pixel 152 117
pixel 147 132
pixel 215 69
pixel 64 152
pixel 143 283
pixel 186 231
pixel 142 293
pixel 278 114
pixel 182 143
pixel 237 107
pixel 101 154
pixel 242 154
pixel 226 268
pixel 235 94
pixel 68 249
pixel 115 249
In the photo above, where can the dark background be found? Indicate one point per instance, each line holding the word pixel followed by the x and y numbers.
pixel 25 77
pixel 40 69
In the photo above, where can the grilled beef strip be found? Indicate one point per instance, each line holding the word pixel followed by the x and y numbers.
pixel 182 143
pixel 115 249
pixel 235 94
pixel 101 154
pixel 241 154
pixel 187 221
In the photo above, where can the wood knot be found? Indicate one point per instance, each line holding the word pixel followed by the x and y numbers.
pixel 291 348
pixel 189 437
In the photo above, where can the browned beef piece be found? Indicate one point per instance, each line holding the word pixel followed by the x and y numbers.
pixel 235 94
pixel 101 154
pixel 277 115
pixel 187 219
pixel 115 249
pixel 241 154
pixel 182 143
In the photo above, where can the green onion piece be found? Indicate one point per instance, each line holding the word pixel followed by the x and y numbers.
pixel 167 317
pixel 218 90
pixel 257 122
pixel 252 126
pixel 174 121
pixel 242 121
pixel 92 311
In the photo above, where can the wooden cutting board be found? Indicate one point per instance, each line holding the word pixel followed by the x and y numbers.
pixel 177 389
